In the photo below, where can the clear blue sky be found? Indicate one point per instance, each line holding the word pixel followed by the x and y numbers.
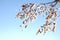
pixel 9 26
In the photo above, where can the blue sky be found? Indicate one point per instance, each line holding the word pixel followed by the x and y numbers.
pixel 9 25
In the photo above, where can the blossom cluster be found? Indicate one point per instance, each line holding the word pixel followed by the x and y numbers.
pixel 31 11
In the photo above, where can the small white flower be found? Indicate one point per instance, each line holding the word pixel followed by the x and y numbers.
pixel 41 8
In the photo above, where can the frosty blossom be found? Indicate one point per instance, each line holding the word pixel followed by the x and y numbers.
pixel 31 11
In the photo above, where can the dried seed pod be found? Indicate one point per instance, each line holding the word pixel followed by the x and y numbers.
pixel 53 23
pixel 31 18
pixel 38 31
pixel 18 15
pixel 26 26
pixel 24 22
pixel 24 6
pixel 45 31
pixel 22 16
pixel 46 23
pixel 31 5
pixel 55 14
pixel 49 16
pixel 53 28
pixel 26 14
pixel 51 10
